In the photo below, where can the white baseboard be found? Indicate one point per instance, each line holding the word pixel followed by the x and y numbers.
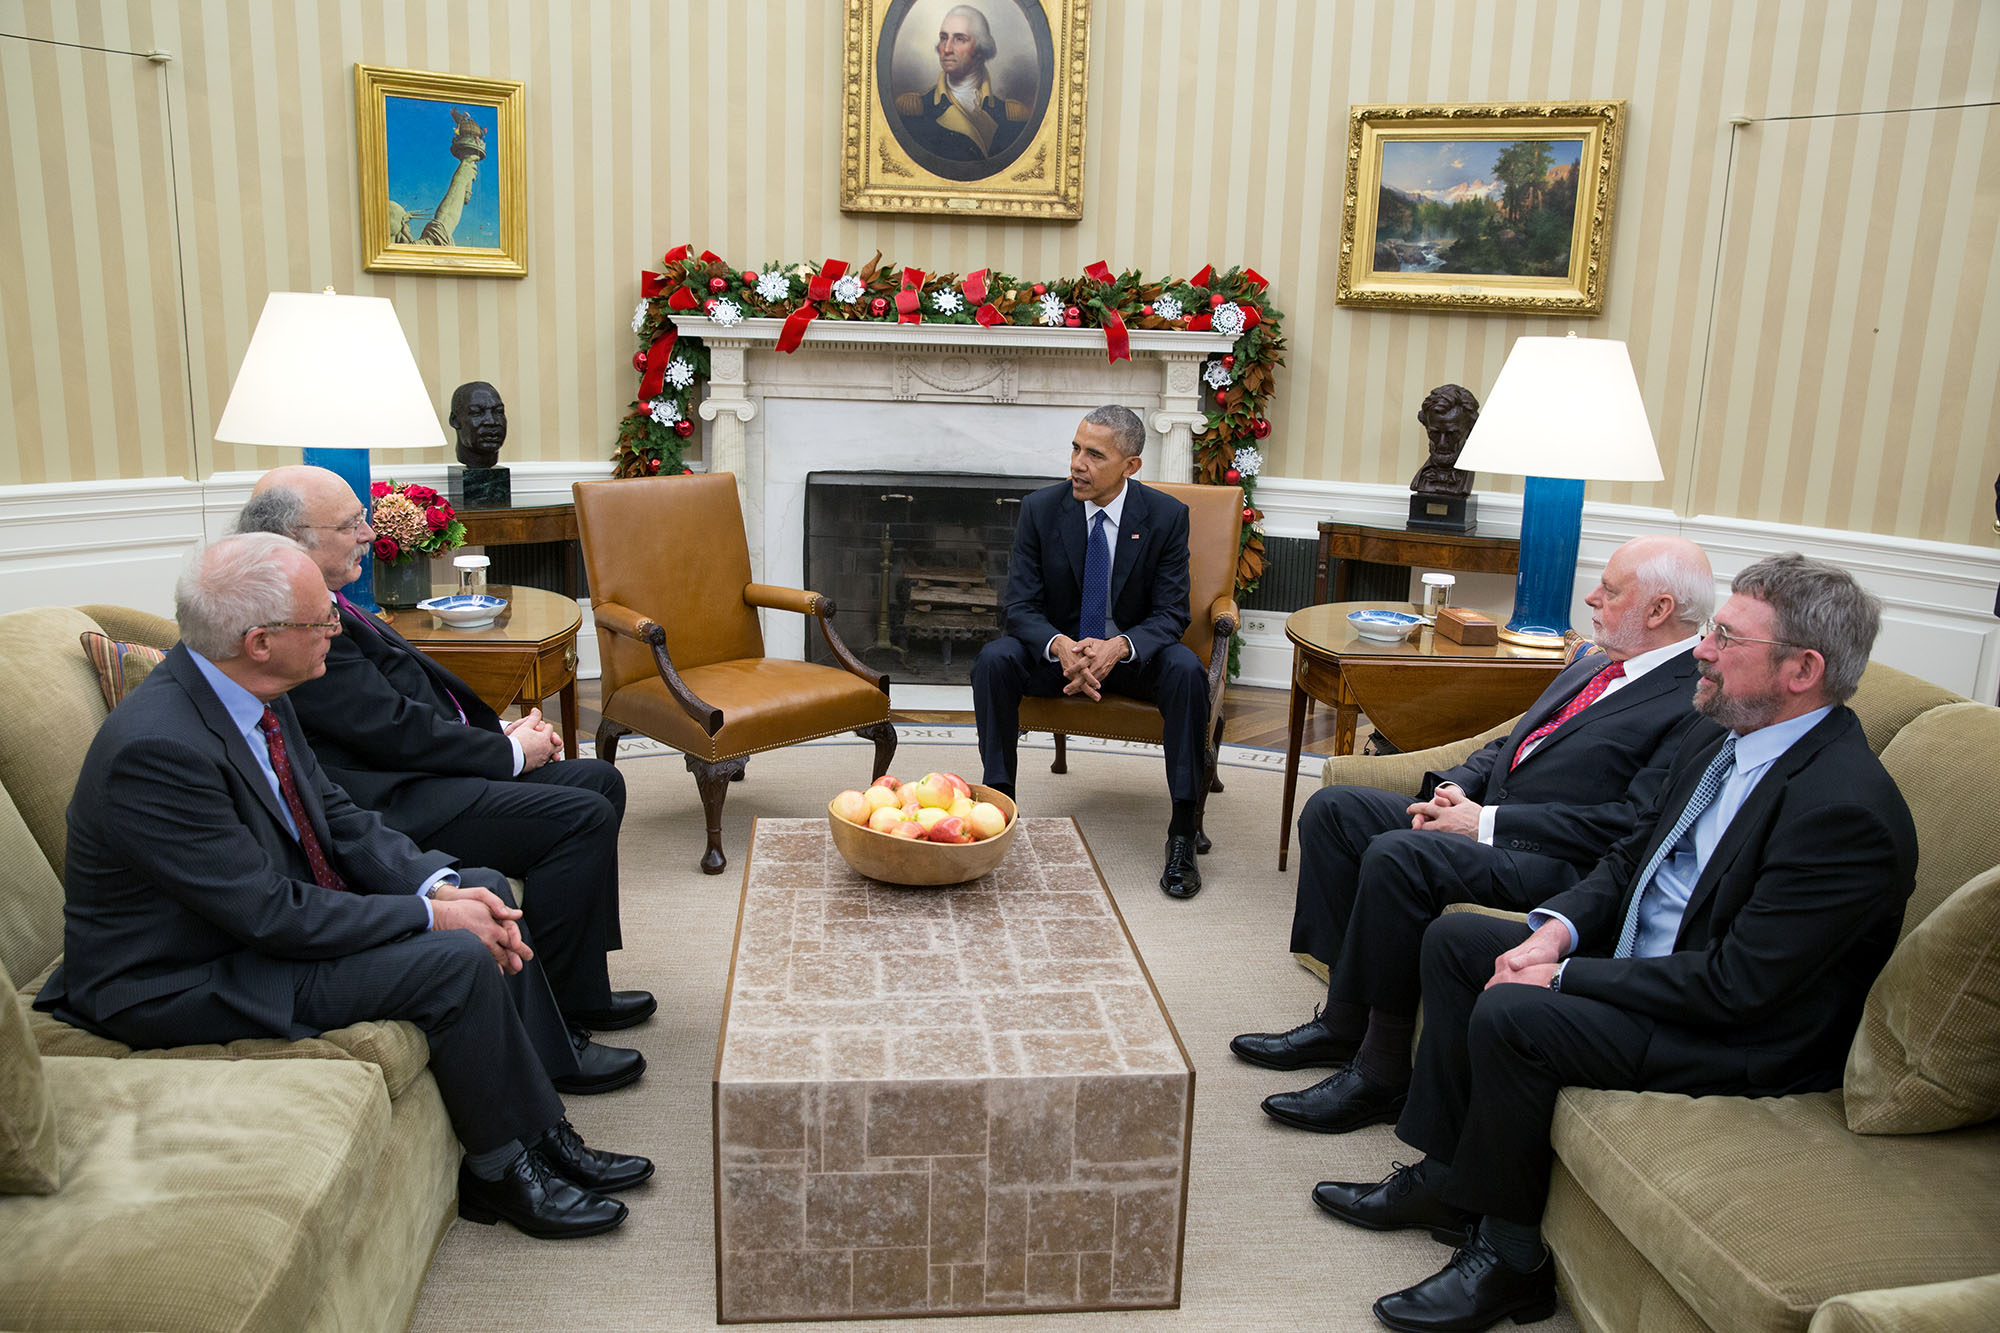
pixel 125 541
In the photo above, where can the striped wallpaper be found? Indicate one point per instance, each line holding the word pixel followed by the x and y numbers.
pixel 1806 295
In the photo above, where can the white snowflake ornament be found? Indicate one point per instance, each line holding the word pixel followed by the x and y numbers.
pixel 1167 308
pixel 847 289
pixel 664 411
pixel 1249 460
pixel 773 286
pixel 1227 319
pixel 679 373
pixel 726 312
pixel 947 302
pixel 1053 311
pixel 639 316
pixel 1217 375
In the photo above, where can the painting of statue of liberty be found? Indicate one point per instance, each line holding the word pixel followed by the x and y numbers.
pixel 434 152
pixel 1494 207
pixel 443 178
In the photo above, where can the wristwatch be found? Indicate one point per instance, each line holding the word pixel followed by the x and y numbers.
pixel 1556 977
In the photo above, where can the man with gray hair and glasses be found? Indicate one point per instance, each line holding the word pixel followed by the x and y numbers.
pixel 218 887
pixel 1724 948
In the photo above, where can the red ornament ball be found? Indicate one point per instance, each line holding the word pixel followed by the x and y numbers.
pixel 652 465
pixel 718 285
pixel 1145 309
pixel 1229 360
pixel 1039 289
pixel 1260 427
pixel 1074 321
pixel 1232 476
pixel 683 428
pixel 708 306
pixel 1249 514
pixel 1215 299
pixel 879 306
pixel 639 359
pixel 1071 312
pixel 749 277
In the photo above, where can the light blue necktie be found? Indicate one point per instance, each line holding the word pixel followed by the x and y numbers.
pixel 1096 581
pixel 1704 796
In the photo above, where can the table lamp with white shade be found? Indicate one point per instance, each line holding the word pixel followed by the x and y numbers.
pixel 332 375
pixel 1564 411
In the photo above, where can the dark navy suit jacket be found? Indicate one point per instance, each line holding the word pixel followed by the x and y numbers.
pixel 1149 570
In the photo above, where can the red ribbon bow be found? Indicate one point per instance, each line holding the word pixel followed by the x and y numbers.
pixel 1201 323
pixel 821 287
pixel 975 287
pixel 710 257
pixel 1117 342
pixel 1100 271
pixel 909 301
pixel 682 299
pixel 675 255
pixel 651 284
pixel 1258 278
pixel 794 331
pixel 1203 278
pixel 657 357
pixel 988 315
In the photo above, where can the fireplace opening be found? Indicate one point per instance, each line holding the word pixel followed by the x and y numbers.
pixel 916 562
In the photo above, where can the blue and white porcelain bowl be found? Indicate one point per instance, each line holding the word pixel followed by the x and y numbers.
pixel 464 610
pixel 1382 626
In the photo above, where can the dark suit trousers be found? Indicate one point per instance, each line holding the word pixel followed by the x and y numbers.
pixel 1492 1062
pixel 556 829
pixel 1369 884
pixel 1172 680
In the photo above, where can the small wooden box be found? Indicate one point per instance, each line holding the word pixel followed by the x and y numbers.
pixel 1467 627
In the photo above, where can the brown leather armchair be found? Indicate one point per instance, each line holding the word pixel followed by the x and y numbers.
pixel 683 653
pixel 1215 530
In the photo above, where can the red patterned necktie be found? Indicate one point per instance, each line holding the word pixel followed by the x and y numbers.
pixel 324 874
pixel 1585 697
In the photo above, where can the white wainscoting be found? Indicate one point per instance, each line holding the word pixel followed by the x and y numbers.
pixel 124 542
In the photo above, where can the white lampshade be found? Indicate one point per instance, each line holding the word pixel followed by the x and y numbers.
pixel 1565 407
pixel 329 372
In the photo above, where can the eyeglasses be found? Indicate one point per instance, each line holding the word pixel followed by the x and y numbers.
pixel 332 625
pixel 351 528
pixel 1726 637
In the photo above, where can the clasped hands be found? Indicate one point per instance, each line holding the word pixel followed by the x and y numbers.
pixel 1449 810
pixel 1533 961
pixel 469 907
pixel 540 742
pixel 1085 664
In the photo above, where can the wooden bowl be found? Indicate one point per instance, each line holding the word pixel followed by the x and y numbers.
pixel 908 861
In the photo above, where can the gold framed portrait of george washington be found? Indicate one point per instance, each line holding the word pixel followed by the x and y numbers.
pixel 443 176
pixel 964 106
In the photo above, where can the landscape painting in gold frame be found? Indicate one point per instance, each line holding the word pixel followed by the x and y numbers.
pixel 443 173
pixel 1500 207
pixel 1009 145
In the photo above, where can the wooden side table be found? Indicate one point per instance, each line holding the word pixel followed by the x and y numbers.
pixel 1348 542
pixel 1419 691
pixel 523 657
pixel 521 524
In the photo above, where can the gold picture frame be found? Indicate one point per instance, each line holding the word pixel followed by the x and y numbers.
pixel 1017 151
pixel 426 141
pixel 1501 207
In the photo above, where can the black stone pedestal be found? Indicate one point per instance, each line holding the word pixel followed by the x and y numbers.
pixel 1444 513
pixel 479 487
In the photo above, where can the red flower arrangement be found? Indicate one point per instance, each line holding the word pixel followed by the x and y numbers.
pixel 412 522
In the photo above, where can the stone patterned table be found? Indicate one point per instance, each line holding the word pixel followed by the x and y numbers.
pixel 943 1101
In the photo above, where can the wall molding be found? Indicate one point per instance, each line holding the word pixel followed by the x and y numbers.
pixel 125 541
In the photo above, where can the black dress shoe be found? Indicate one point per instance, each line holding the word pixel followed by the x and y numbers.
pixel 1398 1200
pixel 628 1008
pixel 1307 1045
pixel 569 1157
pixel 1475 1291
pixel 1201 842
pixel 537 1201
pixel 599 1068
pixel 1341 1101
pixel 1182 877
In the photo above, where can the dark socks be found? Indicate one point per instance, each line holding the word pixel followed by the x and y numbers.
pixel 1183 823
pixel 1344 1019
pixel 1384 1057
pixel 492 1163
pixel 1519 1247
pixel 1004 788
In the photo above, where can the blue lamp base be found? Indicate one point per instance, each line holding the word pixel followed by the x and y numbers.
pixel 1551 529
pixel 351 466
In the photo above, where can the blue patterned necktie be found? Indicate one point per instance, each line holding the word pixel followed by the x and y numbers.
pixel 1704 796
pixel 1096 581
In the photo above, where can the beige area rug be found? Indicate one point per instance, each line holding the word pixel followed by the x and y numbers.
pixel 1258 1254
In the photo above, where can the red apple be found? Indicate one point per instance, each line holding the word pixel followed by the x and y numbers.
pixel 851 806
pixel 934 790
pixel 988 820
pixel 950 829
pixel 880 798
pixel 887 780
pixel 885 819
pixel 908 828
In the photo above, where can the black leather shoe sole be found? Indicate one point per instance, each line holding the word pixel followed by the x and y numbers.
pixel 1348 1119
pixel 609 1080
pixel 617 1015
pixel 1328 1055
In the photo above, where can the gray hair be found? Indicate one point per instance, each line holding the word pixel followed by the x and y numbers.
pixel 1125 427
pixel 1680 573
pixel 1818 606
pixel 281 510
pixel 230 588
pixel 982 34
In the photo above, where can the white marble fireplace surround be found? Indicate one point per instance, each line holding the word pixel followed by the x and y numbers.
pixel 926 397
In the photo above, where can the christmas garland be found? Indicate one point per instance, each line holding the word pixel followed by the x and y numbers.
pixel 704 289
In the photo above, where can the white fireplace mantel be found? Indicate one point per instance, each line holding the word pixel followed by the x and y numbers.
pixel 866 396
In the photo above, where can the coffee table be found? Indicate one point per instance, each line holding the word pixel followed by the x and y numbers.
pixel 943 1101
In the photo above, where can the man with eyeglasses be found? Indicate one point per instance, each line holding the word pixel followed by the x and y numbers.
pixel 1518 818
pixel 411 741
pixel 1724 948
pixel 218 886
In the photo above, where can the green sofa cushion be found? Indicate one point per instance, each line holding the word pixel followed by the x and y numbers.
pixel 196 1194
pixel 31 906
pixel 1936 1307
pixel 1927 1054
pixel 1751 1207
pixel 44 731
pixel 29 1163
pixel 1940 762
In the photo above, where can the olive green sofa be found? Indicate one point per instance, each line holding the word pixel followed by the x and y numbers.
pixel 266 1184
pixel 1732 1213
